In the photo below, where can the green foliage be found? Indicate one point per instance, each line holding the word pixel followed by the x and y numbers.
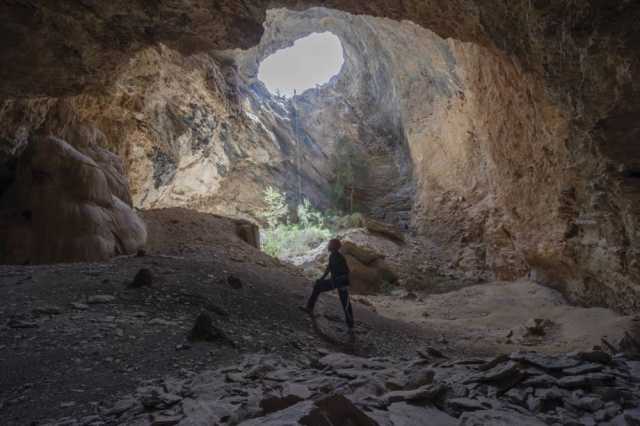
pixel 282 238
pixel 308 216
pixel 277 210
pixel 286 238
pixel 286 241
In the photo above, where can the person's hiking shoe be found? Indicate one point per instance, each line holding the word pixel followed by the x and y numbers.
pixel 306 309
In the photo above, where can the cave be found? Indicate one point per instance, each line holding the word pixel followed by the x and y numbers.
pixel 475 159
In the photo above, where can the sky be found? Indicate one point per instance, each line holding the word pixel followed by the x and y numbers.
pixel 311 60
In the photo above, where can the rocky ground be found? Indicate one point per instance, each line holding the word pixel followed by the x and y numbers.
pixel 526 389
pixel 74 337
pixel 76 340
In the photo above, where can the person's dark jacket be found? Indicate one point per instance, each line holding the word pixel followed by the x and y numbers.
pixel 339 270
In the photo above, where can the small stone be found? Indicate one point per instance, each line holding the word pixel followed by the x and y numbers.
pixel 465 404
pixel 430 352
pixel 410 296
pixel 100 298
pixel 79 306
pixel 234 282
pixel 420 378
pixel 144 278
pixel 536 327
pixel 67 404
pixel 48 310
pixel 18 323
pixel 122 406
pixel 204 329
pixel 161 321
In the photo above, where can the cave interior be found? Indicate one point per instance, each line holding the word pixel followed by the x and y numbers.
pixel 475 158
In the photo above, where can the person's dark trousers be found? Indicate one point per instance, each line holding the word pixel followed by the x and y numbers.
pixel 346 305
pixel 343 291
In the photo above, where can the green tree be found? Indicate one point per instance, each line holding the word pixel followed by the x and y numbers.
pixel 277 210
pixel 308 216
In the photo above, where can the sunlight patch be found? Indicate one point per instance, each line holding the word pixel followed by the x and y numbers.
pixel 311 61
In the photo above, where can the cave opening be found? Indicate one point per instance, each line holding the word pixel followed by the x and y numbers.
pixel 310 62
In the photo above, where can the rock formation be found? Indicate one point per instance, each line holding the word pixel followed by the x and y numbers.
pixel 68 204
pixel 365 253
pixel 509 127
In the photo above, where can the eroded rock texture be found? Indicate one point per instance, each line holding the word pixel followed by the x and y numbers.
pixel 509 144
pixel 68 204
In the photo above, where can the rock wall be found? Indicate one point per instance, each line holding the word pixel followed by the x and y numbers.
pixel 68 204
pixel 189 132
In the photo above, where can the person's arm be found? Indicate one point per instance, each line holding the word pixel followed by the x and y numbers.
pixel 326 272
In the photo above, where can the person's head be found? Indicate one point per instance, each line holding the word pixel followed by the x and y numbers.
pixel 334 245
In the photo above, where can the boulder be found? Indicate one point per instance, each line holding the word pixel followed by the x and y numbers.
pixel 384 229
pixel 68 204
pixel 248 232
pixel 364 255
pixel 371 278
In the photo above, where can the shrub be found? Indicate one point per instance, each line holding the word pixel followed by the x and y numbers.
pixel 283 239
pixel 277 210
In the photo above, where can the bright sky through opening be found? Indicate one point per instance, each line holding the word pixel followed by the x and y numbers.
pixel 311 61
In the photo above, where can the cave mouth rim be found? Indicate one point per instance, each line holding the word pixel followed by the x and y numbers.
pixel 300 63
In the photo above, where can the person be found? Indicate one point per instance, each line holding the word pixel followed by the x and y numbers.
pixel 339 271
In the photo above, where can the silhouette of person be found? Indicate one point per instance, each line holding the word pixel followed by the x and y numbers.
pixel 339 271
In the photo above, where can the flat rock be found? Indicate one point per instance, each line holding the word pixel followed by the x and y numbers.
pixel 428 393
pixel 79 306
pixel 583 369
pixel 595 356
pixel 465 404
pixel 403 414
pixel 547 362
pixel 498 418
pixel 100 298
pixel 540 381
pixel 499 372
pixel 47 310
pixel 584 380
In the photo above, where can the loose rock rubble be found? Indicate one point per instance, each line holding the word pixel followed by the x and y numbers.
pixel 523 388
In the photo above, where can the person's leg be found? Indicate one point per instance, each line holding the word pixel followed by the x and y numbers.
pixel 346 306
pixel 319 287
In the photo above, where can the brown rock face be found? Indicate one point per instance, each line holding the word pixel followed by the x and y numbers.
pixel 510 144
pixel 65 206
